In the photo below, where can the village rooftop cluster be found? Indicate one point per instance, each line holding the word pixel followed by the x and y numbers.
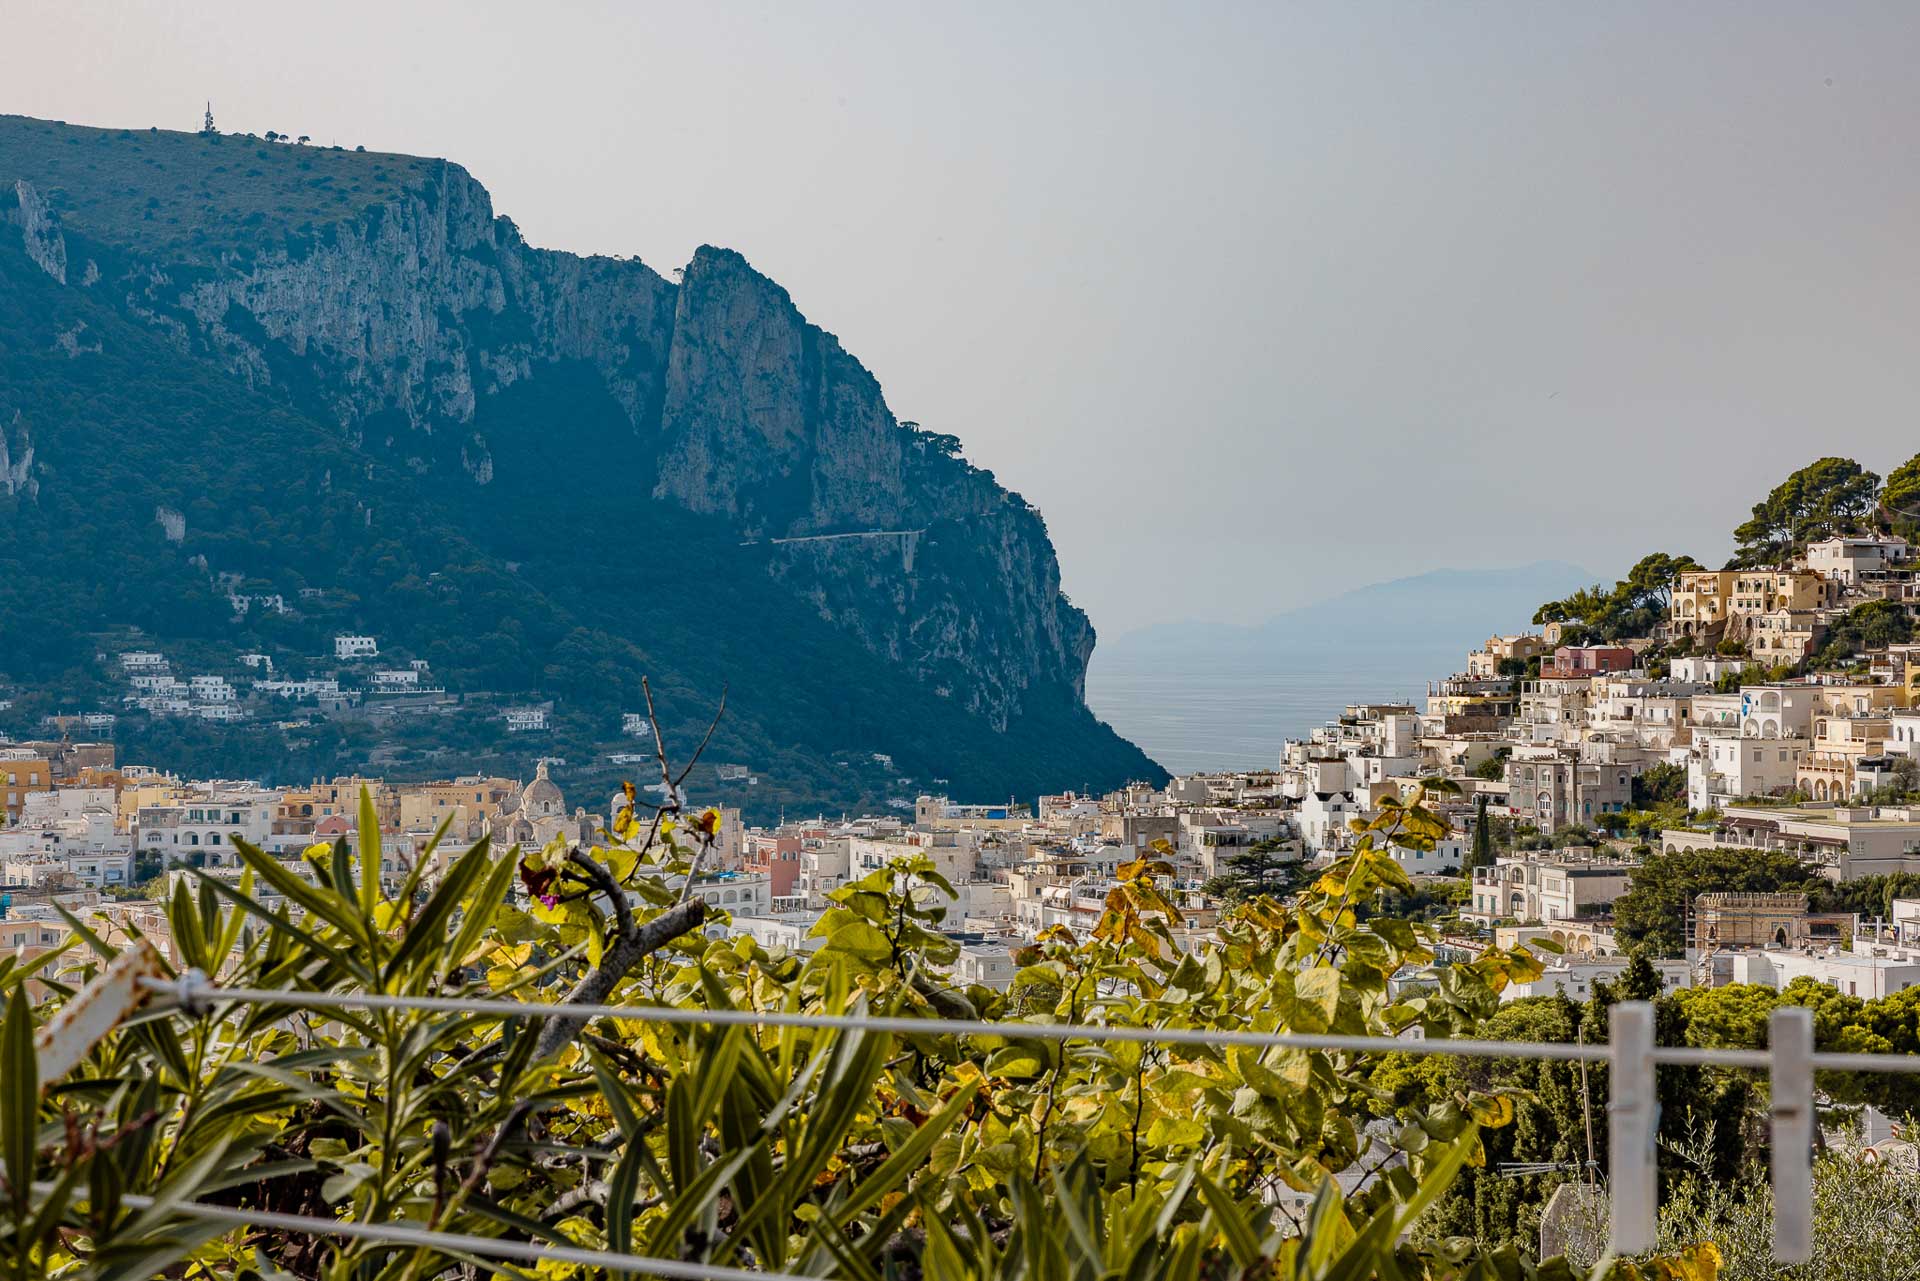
pixel 1555 745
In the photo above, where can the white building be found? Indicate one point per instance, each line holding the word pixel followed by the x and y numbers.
pixel 824 865
pixel 201 832
pixel 211 689
pixel 786 931
pixel 91 868
pixel 525 720
pixel 1445 856
pixel 142 660
pixel 271 603
pixel 740 893
pixel 1850 559
pixel 988 964
pixel 1905 922
pixel 1777 711
pixel 1705 669
pixel 1725 767
pixel 346 647
pixel 318 687
pixel 1557 886
pixel 1876 972
pixel 165 704
pixel 1576 978
pixel 1903 731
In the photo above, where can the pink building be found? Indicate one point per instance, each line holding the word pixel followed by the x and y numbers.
pixel 779 858
pixel 1589 660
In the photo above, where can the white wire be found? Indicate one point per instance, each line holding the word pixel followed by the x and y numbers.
pixel 195 992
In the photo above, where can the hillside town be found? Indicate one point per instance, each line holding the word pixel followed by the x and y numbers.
pixel 981 643
pixel 351 680
pixel 1735 725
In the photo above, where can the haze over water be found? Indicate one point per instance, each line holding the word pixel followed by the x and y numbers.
pixel 1194 720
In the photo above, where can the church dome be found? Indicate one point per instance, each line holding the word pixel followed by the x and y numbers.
pixel 542 798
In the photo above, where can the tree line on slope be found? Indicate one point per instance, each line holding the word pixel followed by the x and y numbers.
pixel 1824 499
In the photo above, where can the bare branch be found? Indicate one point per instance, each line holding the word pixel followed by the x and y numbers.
pixel 478 1175
pixel 693 868
pixel 700 751
pixel 604 882
pixel 625 953
pixel 672 793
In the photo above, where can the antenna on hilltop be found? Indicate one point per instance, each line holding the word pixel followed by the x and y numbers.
pixel 207 127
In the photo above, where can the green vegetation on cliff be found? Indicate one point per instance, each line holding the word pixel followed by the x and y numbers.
pixel 368 397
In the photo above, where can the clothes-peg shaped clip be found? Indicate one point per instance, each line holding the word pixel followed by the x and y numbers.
pixel 192 993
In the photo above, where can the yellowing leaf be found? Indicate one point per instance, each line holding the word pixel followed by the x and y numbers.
pixel 1175 1131
pixel 1318 994
pixel 1492 1110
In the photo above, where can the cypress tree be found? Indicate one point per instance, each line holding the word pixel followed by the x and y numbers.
pixel 1482 853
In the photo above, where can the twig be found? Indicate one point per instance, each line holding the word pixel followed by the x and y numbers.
pixel 594 1192
pixel 626 952
pixel 603 880
pixel 700 751
pixel 671 793
pixel 478 1175
pixel 623 1055
pixel 693 868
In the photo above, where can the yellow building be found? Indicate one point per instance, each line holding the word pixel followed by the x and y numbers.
pixel 23 775
pixel 1486 660
pixel 1765 591
pixel 141 793
pixel 1699 601
pixel 342 796
pixel 1705 601
pixel 1858 700
pixel 471 801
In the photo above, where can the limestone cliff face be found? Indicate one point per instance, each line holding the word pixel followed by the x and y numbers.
pixel 426 304
pixel 405 320
pixel 40 229
pixel 767 419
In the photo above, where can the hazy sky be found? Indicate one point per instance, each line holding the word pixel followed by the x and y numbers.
pixel 1256 303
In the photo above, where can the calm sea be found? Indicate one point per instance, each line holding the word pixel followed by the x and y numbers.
pixel 1213 720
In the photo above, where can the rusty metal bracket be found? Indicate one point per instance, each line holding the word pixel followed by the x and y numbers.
pixel 117 991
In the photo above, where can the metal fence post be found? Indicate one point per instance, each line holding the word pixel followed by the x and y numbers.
pixel 1633 1112
pixel 1790 1038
